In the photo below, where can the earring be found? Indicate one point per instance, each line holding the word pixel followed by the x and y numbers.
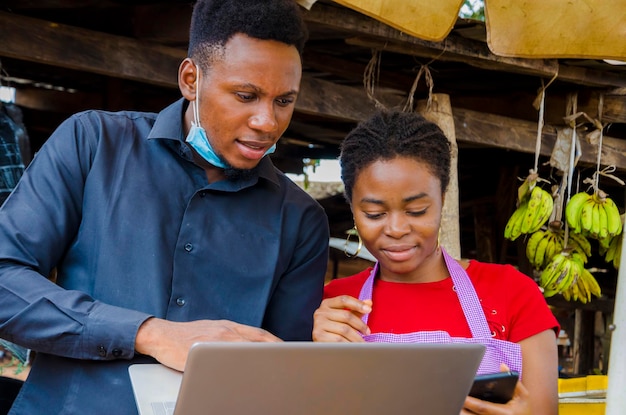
pixel 351 232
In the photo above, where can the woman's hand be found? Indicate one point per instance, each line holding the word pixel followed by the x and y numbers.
pixel 518 405
pixel 338 319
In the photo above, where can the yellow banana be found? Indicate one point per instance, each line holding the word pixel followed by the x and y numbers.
pixel 532 210
pixel 592 283
pixel 614 219
pixel 580 243
pixel 532 248
pixel 603 228
pixel 545 210
pixel 573 210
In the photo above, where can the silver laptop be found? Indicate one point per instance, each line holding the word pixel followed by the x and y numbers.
pixel 306 378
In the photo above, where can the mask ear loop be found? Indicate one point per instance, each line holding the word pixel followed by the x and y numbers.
pixel 194 103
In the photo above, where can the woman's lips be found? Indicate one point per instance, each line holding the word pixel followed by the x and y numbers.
pixel 399 253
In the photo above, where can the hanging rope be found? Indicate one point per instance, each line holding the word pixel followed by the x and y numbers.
pixel 425 70
pixel 541 98
pixel 371 77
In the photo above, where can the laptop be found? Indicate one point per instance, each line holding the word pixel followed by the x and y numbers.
pixel 307 378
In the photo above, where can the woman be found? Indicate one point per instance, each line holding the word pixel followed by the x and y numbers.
pixel 396 168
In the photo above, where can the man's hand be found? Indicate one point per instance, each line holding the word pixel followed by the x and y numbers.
pixel 169 342
pixel 338 319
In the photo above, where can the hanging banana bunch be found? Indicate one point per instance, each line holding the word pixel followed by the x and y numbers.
pixel 595 215
pixel 566 274
pixel 543 245
pixel 534 206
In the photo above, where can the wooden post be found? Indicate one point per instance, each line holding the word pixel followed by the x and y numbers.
pixel 440 112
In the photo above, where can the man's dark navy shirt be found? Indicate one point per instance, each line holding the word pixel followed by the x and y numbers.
pixel 134 229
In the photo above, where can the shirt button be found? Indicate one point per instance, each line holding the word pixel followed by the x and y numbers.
pixel 180 302
pixel 117 352
pixel 188 247
pixel 102 351
pixel 202 194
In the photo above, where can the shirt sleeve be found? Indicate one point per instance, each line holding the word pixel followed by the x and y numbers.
pixel 38 222
pixel 530 313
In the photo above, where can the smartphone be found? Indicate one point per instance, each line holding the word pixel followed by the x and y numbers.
pixel 495 387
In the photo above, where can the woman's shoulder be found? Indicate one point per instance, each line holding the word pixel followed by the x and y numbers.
pixel 350 285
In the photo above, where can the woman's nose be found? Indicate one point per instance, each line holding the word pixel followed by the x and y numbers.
pixel 397 225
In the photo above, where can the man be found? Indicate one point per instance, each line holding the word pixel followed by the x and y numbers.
pixel 165 229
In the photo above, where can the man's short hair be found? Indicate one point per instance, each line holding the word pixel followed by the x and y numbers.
pixel 214 22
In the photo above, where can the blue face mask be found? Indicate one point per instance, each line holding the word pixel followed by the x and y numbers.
pixel 198 139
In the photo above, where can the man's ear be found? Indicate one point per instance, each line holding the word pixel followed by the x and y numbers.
pixel 187 79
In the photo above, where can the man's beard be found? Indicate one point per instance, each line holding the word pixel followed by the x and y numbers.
pixel 233 174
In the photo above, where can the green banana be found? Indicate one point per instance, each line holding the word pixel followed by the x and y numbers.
pixel 553 270
pixel 586 216
pixel 512 230
pixel 573 210
pixel 554 247
pixel 603 228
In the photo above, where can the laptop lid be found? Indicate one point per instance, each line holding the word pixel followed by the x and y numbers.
pixel 309 378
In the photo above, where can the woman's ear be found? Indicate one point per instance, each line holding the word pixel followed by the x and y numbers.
pixel 187 79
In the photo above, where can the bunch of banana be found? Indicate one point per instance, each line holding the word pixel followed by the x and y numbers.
pixel 533 210
pixel 594 215
pixel 542 245
pixel 567 275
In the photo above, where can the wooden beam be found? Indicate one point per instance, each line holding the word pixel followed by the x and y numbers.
pixel 37 40
pixel 377 34
pixel 45 42
pixel 518 135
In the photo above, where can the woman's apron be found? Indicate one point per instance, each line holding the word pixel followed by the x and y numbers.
pixel 497 351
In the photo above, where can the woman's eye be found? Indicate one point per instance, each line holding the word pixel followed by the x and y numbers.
pixel 416 212
pixel 373 215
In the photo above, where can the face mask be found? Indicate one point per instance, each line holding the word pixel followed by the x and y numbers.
pixel 198 139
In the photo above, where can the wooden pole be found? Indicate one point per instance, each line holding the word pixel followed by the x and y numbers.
pixel 439 111
pixel 615 397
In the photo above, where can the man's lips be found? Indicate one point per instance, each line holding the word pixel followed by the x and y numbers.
pixel 252 149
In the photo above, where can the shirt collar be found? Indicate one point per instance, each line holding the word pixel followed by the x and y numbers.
pixel 169 126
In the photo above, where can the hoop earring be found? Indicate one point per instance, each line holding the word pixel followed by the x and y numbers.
pixel 351 232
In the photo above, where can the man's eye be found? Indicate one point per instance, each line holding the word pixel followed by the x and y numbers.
pixel 245 97
pixel 416 212
pixel 285 101
pixel 373 215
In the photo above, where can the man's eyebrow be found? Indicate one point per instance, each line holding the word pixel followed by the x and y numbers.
pixel 258 90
